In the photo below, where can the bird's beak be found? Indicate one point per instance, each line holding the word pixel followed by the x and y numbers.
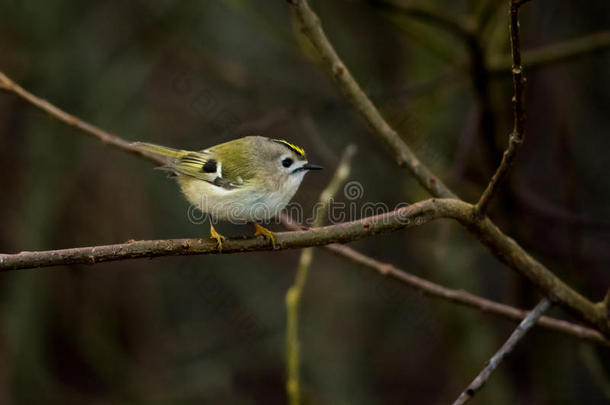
pixel 307 166
pixel 310 166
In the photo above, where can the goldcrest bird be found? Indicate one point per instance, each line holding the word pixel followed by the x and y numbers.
pixel 249 179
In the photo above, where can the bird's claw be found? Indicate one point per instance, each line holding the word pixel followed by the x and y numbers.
pixel 266 233
pixel 218 237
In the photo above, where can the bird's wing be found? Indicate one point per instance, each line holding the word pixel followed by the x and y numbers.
pixel 200 165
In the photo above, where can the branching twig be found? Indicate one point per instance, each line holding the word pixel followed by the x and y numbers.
pixel 295 292
pixel 507 347
pixel 503 247
pixel 516 137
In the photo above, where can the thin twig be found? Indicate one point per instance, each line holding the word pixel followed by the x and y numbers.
pixel 507 347
pixel 295 292
pixel 516 137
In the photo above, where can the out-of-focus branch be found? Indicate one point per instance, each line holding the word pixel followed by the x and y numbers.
pixel 10 86
pixel 547 210
pixel 467 30
pixel 310 26
pixel 295 292
pixel 554 53
pixel 516 137
pixel 459 26
pixel 483 13
pixel 505 350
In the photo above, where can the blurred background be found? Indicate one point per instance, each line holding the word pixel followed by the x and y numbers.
pixel 211 329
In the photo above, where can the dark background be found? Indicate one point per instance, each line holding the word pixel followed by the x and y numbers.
pixel 210 329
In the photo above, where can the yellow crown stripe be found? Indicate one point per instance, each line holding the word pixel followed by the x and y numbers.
pixel 296 149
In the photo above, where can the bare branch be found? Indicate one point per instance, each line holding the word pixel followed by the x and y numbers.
pixel 404 217
pixel 503 247
pixel 505 350
pixel 516 137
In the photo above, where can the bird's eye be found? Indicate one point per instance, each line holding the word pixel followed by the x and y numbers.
pixel 287 162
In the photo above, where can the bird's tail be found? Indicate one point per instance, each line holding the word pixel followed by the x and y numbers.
pixel 169 153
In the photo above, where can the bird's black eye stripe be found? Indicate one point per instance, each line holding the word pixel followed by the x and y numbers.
pixel 287 162
pixel 209 166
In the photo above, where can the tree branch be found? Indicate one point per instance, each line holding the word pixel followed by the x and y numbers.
pixel 499 244
pixel 505 350
pixel 503 247
pixel 404 217
pixel 516 137
pixel 416 214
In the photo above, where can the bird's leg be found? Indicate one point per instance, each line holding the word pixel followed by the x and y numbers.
pixel 261 230
pixel 215 235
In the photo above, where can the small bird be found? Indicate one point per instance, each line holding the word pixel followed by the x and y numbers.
pixel 250 179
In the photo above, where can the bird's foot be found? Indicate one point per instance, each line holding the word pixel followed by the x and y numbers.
pixel 218 237
pixel 261 230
